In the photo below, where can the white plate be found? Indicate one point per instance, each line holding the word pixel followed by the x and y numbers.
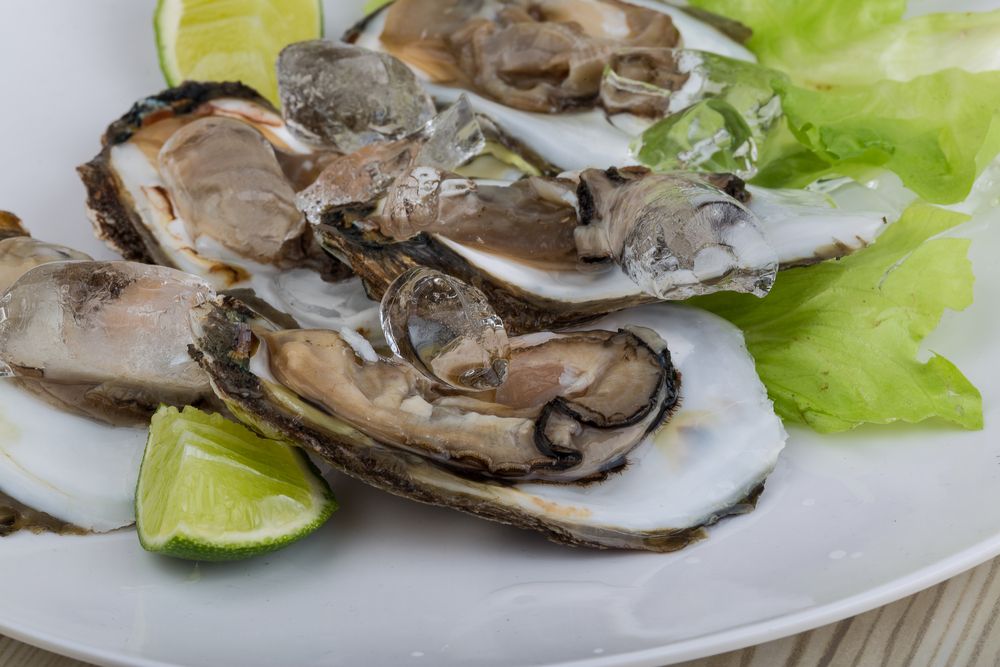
pixel 847 522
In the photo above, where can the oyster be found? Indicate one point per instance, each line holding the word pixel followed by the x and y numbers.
pixel 535 246
pixel 673 235
pixel 68 323
pixel 226 185
pixel 19 252
pixel 202 178
pixel 543 56
pixel 523 59
pixel 105 343
pixel 575 406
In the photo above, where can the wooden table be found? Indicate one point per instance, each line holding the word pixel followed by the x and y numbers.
pixel 953 623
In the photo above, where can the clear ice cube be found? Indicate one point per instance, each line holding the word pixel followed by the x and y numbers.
pixel 347 97
pixel 675 235
pixel 451 138
pixel 87 322
pixel 446 329
pixel 447 141
pixel 715 244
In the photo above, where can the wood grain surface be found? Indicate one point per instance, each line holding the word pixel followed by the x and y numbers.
pixel 952 624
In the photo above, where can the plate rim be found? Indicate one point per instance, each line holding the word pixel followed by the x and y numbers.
pixel 714 643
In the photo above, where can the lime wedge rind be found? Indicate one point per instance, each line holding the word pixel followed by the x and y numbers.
pixel 212 490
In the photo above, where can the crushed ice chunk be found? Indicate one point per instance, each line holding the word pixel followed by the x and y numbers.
pixel 446 329
pixel 451 138
pixel 358 179
pixel 347 97
pixel 85 322
pixel 674 236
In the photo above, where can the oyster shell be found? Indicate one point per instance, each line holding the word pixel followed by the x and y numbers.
pixel 146 182
pixel 80 471
pixel 659 500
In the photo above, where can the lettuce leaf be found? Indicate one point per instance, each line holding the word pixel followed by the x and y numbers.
pixel 836 343
pixel 903 51
pixel 849 42
pixel 936 131
pixel 868 89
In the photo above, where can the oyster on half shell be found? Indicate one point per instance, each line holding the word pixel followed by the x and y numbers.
pixel 549 250
pixel 563 47
pixel 567 449
pixel 540 247
pixel 202 178
pixel 88 350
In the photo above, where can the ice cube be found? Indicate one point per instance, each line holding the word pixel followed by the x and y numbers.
pixel 446 329
pixel 451 138
pixel 90 323
pixel 347 97
pixel 715 111
pixel 675 235
pixel 447 141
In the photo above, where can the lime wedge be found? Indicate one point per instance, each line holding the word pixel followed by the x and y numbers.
pixel 211 489
pixel 231 40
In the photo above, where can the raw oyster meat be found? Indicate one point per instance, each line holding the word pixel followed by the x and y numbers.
pixel 226 184
pixel 673 235
pixel 107 339
pixel 19 252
